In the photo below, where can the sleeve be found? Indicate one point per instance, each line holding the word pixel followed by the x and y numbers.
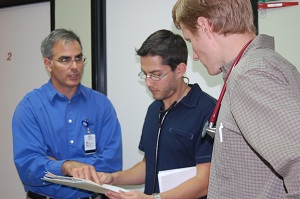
pixel 29 148
pixel 266 107
pixel 205 144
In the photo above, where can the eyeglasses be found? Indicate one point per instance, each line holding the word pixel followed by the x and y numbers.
pixel 68 61
pixel 143 76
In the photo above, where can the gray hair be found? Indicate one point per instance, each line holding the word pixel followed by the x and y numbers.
pixel 67 36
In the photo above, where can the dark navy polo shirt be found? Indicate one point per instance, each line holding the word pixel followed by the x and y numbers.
pixel 180 143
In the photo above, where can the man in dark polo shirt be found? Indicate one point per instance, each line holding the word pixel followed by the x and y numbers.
pixel 171 136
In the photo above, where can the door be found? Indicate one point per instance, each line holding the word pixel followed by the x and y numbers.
pixel 21 70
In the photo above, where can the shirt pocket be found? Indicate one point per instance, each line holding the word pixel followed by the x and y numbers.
pixel 182 134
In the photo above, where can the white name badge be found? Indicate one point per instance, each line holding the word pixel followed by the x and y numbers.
pixel 90 143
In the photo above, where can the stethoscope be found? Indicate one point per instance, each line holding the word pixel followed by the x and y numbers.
pixel 162 115
pixel 209 127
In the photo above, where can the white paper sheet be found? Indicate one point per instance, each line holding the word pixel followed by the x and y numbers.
pixel 81 184
pixel 170 179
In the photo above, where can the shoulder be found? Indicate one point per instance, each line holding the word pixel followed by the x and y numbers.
pixel 156 104
pixel 35 94
pixel 32 101
pixel 93 94
pixel 202 97
pixel 261 55
pixel 154 107
pixel 259 64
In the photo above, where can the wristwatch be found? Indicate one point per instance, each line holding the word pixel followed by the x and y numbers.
pixel 156 196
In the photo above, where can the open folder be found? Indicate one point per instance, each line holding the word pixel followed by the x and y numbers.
pixel 170 179
pixel 81 183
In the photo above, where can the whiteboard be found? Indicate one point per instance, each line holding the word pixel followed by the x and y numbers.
pixel 21 68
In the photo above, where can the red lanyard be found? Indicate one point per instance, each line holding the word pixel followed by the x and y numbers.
pixel 213 117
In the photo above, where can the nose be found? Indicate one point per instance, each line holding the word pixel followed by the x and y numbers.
pixel 195 57
pixel 148 81
pixel 74 64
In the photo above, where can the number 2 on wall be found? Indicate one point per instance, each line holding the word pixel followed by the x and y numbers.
pixel 9 55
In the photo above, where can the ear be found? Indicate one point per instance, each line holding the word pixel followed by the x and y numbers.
pixel 180 69
pixel 48 65
pixel 204 26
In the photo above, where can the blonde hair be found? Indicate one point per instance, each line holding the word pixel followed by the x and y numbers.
pixel 225 16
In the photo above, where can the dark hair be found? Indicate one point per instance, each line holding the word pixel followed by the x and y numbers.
pixel 169 46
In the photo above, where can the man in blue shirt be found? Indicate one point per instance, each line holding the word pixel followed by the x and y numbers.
pixel 172 131
pixel 64 127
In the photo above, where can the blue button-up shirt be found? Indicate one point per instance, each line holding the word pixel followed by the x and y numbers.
pixel 48 124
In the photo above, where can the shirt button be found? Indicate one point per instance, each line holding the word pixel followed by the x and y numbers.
pixel 70 121
pixel 71 141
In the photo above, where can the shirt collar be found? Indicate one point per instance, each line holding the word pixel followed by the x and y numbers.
pixel 54 94
pixel 225 69
pixel 191 99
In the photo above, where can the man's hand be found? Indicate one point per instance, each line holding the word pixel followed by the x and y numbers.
pixel 106 178
pixel 80 170
pixel 51 158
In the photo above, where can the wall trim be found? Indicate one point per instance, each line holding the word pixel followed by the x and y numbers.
pixel 99 59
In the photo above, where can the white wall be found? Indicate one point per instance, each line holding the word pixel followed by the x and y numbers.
pixel 76 15
pixel 22 30
pixel 129 23
pixel 284 25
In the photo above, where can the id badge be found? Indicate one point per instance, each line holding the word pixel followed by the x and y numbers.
pixel 90 143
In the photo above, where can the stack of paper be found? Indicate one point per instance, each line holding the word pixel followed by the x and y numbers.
pixel 170 179
pixel 81 183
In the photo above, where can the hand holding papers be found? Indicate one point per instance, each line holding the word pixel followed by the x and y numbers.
pixel 170 179
pixel 81 183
